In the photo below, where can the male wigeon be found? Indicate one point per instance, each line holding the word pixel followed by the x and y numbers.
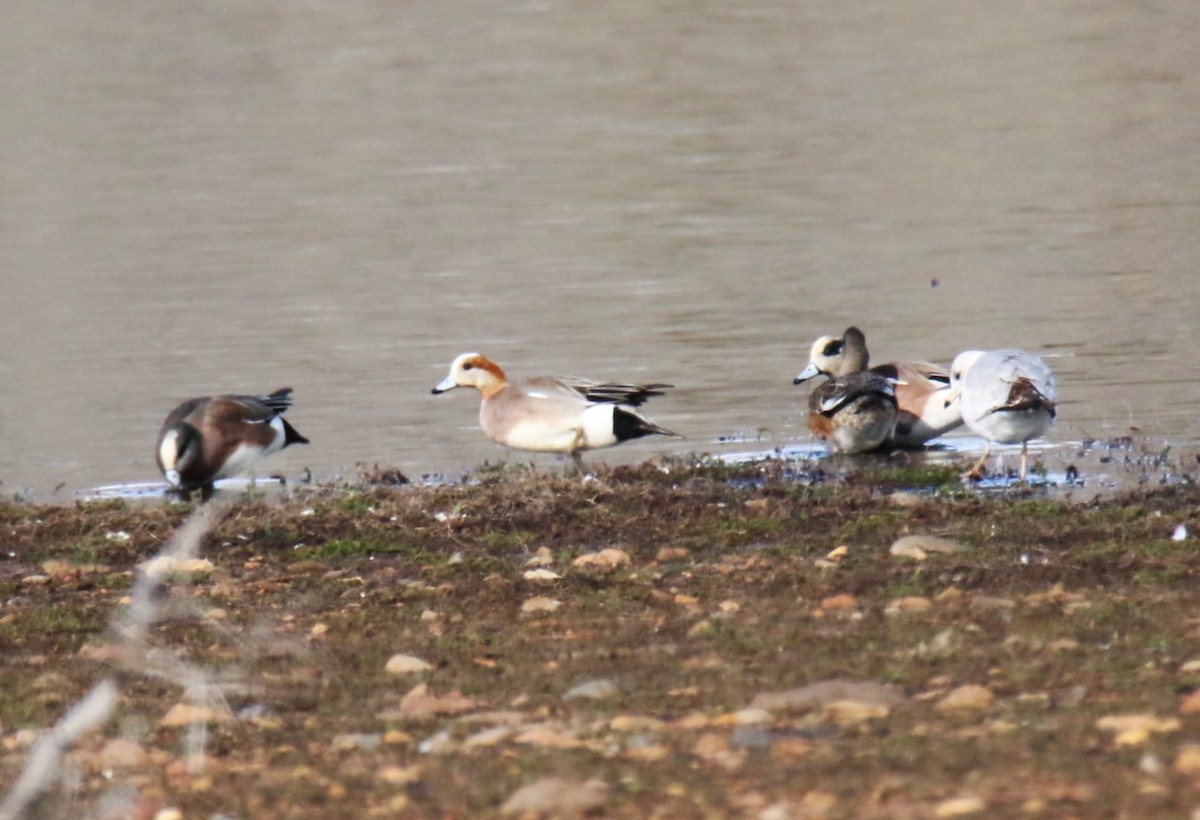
pixel 1005 396
pixel 921 388
pixel 855 413
pixel 556 415
pixel 207 439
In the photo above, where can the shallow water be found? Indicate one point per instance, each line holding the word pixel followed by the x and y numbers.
pixel 222 198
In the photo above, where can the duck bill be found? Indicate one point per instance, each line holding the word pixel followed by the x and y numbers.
pixel 444 385
pixel 807 373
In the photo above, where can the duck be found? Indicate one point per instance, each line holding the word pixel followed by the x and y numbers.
pixel 554 414
pixel 209 438
pixel 921 388
pixel 855 413
pixel 1005 396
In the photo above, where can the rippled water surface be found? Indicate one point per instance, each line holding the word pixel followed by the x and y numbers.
pixel 235 197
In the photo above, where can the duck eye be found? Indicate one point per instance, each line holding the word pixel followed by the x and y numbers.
pixel 833 348
pixel 467 366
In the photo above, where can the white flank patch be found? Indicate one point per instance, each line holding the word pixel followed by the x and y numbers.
pixel 598 425
pixel 168 452
pixel 243 458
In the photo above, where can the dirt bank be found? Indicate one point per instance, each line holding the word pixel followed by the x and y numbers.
pixel 668 640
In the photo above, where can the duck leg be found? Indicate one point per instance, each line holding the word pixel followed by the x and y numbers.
pixel 976 472
pixel 578 459
pixel 1024 460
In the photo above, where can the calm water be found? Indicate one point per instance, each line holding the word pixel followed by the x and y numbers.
pixel 200 198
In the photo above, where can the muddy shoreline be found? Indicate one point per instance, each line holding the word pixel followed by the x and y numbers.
pixel 717 640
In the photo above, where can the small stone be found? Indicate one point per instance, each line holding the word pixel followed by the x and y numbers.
pixel 557 797
pixel 405 665
pixel 170 813
pixel 636 723
pixel 168 566
pixel 608 558
pixel 715 748
pixel 419 704
pixel 540 574
pixel 399 775
pixel 67 569
pixel 907 551
pixel 965 699
pixel 743 717
pixel 927 543
pixel 317 630
pixel 817 695
pixel 488 737
pixel 700 629
pixel 1187 761
pixel 838 553
pixel 185 714
pixel 850 713
pixel 750 737
pixel 439 743
pixel 671 554
pixel 960 807
pixel 542 558
pixel 120 753
pixel 547 737
pixel 905 498
pixel 357 740
pixel 539 604
pixel 1136 729
pixel 600 689
pixel 908 605
pixel 839 603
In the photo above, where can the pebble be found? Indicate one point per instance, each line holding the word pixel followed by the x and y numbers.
pixel 539 604
pixel 599 689
pixel 1187 761
pixel 357 740
pixel 168 565
pixel 965 699
pixel 609 558
pixel 960 807
pixel 816 695
pixel 557 797
pixel 918 547
pixel 185 714
pixel 542 558
pixel 839 603
pixel 405 665
pixel 910 604
pixel 750 737
pixel 635 723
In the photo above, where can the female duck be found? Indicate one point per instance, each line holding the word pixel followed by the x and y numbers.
pixel 921 388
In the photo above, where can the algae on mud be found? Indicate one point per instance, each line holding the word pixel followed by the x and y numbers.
pixel 1065 615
